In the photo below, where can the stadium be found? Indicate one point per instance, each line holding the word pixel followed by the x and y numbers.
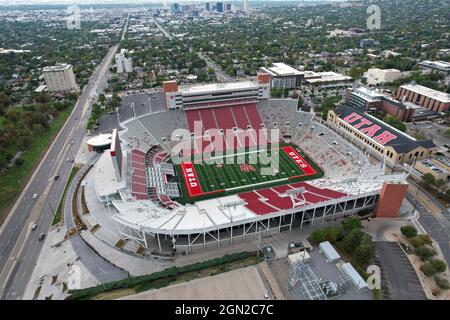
pixel 199 167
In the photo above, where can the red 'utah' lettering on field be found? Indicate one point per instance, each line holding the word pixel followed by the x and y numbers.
pixel 190 178
pixel 298 159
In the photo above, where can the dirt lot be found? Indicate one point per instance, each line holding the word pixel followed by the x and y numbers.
pixel 244 283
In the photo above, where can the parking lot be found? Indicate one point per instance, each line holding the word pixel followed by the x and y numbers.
pixel 399 281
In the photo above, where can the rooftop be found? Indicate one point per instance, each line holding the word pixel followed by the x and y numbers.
pixel 214 87
pixel 281 69
pixel 58 67
pixel 436 64
pixel 428 92
pixel 402 143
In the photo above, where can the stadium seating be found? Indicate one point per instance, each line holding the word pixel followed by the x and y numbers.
pixel 270 200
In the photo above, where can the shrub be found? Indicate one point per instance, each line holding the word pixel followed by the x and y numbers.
pixel 442 283
pixel 318 235
pixel 351 223
pixel 431 267
pixel 425 252
pixel 408 231
pixel 420 240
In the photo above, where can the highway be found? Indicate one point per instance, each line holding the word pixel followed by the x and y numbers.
pixel 19 246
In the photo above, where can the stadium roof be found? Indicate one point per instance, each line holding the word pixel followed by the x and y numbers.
pixel 215 87
pixel 402 143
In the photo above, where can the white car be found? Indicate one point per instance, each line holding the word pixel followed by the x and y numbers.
pixel 35 196
pixel 34 227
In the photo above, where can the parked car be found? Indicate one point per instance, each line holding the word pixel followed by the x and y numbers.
pixel 34 227
pixel 41 237
pixel 35 196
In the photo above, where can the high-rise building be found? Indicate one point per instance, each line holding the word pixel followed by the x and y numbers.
pixel 246 5
pixel 219 6
pixel 175 8
pixel 228 6
pixel 123 63
pixel 207 6
pixel 60 78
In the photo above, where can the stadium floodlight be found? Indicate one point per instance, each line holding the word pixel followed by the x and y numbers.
pixel 234 204
pixel 295 192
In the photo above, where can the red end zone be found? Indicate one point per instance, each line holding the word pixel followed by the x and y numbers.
pixel 298 159
pixel 190 179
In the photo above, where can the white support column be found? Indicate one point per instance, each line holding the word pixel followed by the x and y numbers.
pixel 204 241
pixel 243 233
pixel 314 216
pixel 231 235
pixel 159 243
pixel 189 242
pixel 334 211
pixel 279 226
pixel 218 238
pixel 292 220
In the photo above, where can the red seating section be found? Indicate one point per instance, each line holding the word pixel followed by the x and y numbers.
pixel 274 199
pixel 227 118
pixel 138 177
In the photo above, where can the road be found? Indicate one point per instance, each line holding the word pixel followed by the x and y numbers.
pixel 19 246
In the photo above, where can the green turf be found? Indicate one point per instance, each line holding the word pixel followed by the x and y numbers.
pixel 231 178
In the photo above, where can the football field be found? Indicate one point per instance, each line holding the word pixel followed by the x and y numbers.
pixel 245 170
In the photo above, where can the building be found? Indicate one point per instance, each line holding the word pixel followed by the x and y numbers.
pixel 326 80
pixel 365 99
pixel 215 95
pixel 378 138
pixel 377 76
pixel 283 76
pixel 247 7
pixel 124 64
pixel 219 6
pixel 366 43
pixel 175 8
pixel 60 78
pixel 207 8
pixel 439 167
pixel 422 96
pixel 228 6
pixel 441 66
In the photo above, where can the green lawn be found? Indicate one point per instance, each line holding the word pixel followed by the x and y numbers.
pixel 14 179
pixel 230 178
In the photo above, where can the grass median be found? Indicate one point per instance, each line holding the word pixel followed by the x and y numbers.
pixel 59 210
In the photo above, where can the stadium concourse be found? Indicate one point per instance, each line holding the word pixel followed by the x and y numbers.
pixel 143 196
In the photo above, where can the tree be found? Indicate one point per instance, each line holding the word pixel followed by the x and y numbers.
pixel 364 252
pixel 408 231
pixel 5 101
pixel 393 121
pixel 351 223
pixel 352 240
pixel 428 179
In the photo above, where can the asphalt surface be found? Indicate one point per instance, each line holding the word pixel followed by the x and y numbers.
pixel 400 279
pixel 19 246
